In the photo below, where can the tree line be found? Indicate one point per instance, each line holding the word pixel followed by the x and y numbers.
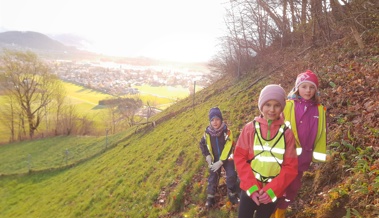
pixel 254 26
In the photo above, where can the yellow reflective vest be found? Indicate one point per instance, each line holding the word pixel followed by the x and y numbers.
pixel 268 160
pixel 227 152
pixel 319 151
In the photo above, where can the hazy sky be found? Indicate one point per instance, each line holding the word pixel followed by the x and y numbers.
pixel 170 29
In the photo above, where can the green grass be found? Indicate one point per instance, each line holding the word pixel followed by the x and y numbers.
pixel 164 92
pixel 124 180
pixel 86 102
pixel 50 153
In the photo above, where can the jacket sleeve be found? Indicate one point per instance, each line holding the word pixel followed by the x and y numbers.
pixel 289 168
pixel 203 146
pixel 242 154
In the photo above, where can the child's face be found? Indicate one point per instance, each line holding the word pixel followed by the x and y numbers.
pixel 271 110
pixel 307 90
pixel 216 122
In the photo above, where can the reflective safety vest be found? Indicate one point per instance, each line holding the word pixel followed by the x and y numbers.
pixel 319 152
pixel 227 152
pixel 268 154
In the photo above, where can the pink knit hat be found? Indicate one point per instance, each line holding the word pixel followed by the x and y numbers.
pixel 272 92
pixel 307 76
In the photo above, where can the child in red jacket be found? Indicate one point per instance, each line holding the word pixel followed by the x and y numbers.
pixel 265 156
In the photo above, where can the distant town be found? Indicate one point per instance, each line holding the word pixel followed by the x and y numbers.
pixel 120 79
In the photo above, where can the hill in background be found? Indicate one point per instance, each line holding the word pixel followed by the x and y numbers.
pixel 32 40
pixel 42 45
pixel 72 47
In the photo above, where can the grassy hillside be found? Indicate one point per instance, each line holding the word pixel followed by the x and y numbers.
pixel 159 172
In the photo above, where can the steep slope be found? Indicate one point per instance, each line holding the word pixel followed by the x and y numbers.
pixel 159 171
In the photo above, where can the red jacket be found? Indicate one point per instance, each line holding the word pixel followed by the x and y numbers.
pixel 244 152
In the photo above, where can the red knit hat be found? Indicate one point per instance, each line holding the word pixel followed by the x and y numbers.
pixel 307 76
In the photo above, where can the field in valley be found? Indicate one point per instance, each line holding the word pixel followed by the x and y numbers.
pixel 86 101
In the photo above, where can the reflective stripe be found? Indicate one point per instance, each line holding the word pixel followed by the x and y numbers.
pixel 257 125
pixel 288 124
pixel 298 151
pixel 269 159
pixel 319 156
pixel 258 177
pixel 231 157
pixel 267 148
pixel 226 136
pixel 278 150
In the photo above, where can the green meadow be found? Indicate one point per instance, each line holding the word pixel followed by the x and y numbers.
pixel 141 172
pixel 86 101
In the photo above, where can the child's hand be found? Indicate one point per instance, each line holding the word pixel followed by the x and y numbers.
pixel 263 197
pixel 255 197
pixel 216 166
pixel 208 158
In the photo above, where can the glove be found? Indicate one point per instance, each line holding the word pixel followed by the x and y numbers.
pixel 255 197
pixel 216 166
pixel 208 158
pixel 263 197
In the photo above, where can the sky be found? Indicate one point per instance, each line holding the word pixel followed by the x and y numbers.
pixel 180 30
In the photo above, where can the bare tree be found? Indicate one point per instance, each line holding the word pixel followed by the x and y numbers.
pixel 58 104
pixel 68 118
pixel 32 84
pixel 9 116
pixel 254 26
pixel 113 118
pixel 128 108
pixel 121 113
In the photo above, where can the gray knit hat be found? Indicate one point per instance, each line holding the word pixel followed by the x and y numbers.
pixel 272 92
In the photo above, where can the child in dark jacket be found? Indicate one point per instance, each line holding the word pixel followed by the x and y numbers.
pixel 217 147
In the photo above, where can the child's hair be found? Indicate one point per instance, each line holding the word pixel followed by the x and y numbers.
pixel 295 95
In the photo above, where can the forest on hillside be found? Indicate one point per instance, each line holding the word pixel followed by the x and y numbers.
pixel 257 28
